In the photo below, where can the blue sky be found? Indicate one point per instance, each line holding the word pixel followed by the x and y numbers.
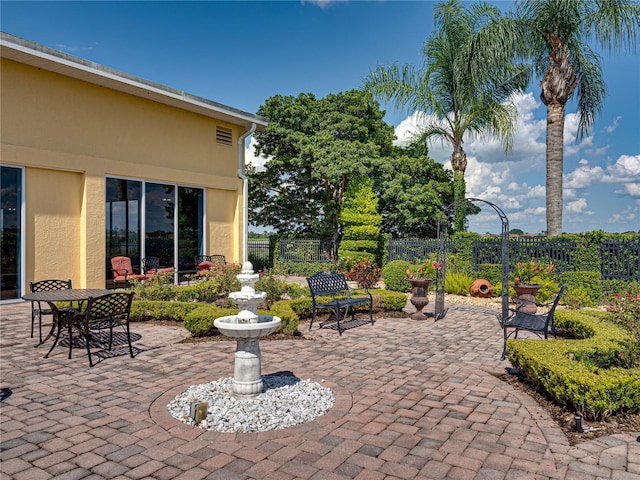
pixel 241 53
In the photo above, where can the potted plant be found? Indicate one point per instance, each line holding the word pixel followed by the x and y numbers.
pixel 420 278
pixel 523 277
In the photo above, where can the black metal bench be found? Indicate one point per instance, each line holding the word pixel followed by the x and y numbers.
pixel 539 323
pixel 334 285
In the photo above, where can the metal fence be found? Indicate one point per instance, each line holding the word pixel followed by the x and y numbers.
pixel 259 253
pixel 413 249
pixel 620 259
pixel 556 251
pixel 312 250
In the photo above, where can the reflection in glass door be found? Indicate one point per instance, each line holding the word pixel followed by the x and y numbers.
pixel 123 218
pixel 11 232
pixel 190 228
pixel 159 204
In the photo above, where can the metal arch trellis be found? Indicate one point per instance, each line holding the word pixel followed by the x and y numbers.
pixel 441 256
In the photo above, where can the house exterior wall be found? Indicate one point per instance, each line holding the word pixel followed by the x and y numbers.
pixel 70 135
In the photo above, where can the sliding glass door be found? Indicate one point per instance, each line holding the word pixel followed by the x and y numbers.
pixel 142 221
pixel 159 224
pixel 190 228
pixel 123 220
pixel 11 232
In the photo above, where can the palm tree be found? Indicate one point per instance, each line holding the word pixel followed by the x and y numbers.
pixel 554 35
pixel 457 92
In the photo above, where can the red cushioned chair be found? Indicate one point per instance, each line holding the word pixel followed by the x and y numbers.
pixel 123 272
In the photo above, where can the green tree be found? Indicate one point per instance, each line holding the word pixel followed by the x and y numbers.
pixel 458 92
pixel 316 146
pixel 413 190
pixel 555 36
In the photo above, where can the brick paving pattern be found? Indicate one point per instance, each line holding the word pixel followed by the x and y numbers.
pixel 413 400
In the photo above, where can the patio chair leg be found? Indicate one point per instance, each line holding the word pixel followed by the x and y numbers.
pixel 129 340
pixel 86 339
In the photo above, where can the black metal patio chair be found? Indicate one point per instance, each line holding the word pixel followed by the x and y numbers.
pixel 539 323
pixel 37 309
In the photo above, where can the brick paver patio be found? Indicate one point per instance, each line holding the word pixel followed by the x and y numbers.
pixel 413 400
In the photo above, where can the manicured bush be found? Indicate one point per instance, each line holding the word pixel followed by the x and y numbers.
pixel 160 310
pixel 283 310
pixel 360 221
pixel 589 389
pixel 302 269
pixel 382 300
pixel 394 275
pixel 200 320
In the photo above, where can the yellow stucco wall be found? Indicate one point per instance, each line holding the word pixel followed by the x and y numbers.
pixel 52 228
pixel 70 135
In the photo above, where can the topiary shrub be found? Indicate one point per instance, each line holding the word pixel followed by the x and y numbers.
pixel 394 275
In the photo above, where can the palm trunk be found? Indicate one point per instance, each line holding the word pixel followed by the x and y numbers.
pixel 555 134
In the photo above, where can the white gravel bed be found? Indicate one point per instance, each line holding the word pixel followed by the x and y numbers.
pixel 285 401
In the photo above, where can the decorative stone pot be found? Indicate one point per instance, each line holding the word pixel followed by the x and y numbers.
pixel 526 295
pixel 419 298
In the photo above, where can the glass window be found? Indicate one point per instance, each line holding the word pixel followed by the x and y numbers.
pixel 123 214
pixel 10 230
pixel 190 227
pixel 124 229
pixel 159 226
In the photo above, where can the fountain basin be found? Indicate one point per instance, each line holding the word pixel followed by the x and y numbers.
pixel 229 326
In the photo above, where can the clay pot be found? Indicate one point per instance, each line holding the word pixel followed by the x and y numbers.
pixel 481 288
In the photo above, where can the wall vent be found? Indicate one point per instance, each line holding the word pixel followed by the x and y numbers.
pixel 224 136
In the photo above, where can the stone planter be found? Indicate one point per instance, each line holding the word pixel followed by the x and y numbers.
pixel 526 294
pixel 419 298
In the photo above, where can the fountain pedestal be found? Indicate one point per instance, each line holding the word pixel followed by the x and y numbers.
pixel 247 327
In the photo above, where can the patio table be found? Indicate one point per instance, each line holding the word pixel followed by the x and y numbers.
pixel 67 295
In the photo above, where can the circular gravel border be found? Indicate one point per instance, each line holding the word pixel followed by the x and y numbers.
pixel 285 401
pixel 160 416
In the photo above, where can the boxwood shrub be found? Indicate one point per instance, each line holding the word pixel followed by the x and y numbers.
pixel 394 275
pixel 591 391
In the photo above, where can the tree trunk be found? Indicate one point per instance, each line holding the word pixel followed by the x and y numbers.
pixel 557 87
pixel 555 134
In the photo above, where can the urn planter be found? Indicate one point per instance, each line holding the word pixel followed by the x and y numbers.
pixel 419 298
pixel 526 294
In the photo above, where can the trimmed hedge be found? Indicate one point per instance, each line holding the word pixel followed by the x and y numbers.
pixel 198 317
pixel 593 392
pixel 382 300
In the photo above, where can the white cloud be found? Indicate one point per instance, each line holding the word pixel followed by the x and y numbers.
pixel 626 169
pixel 252 159
pixel 611 128
pixel 577 206
pixel 630 189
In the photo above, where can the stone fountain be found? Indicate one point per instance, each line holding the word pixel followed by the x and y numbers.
pixel 247 327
